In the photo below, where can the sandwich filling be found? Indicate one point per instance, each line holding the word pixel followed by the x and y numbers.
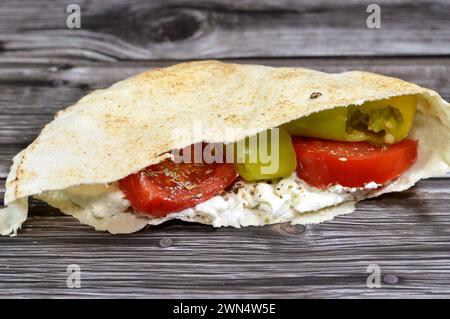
pixel 324 159
pixel 282 144
pixel 244 204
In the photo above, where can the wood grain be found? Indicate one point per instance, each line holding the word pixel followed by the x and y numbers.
pixel 406 235
pixel 181 29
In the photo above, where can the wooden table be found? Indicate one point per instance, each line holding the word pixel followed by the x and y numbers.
pixel 45 67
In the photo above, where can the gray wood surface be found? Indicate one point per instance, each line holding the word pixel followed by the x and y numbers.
pixel 44 67
pixel 183 29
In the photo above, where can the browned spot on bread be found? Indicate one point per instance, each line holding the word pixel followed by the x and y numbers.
pixel 315 95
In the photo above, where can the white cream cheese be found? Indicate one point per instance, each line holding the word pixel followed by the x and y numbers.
pixel 100 199
pixel 371 185
pixel 244 205
pixel 263 203
pixel 12 217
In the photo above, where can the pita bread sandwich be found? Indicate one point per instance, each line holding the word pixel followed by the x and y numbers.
pixel 230 145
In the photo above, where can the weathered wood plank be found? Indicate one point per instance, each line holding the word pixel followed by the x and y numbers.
pixel 22 83
pixel 30 95
pixel 430 72
pixel 180 29
pixel 406 238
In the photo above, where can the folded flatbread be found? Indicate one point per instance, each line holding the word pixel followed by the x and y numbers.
pixel 112 133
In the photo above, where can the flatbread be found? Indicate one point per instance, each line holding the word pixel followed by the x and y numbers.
pixel 112 133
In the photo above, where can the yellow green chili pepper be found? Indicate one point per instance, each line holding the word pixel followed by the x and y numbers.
pixel 255 162
pixel 384 121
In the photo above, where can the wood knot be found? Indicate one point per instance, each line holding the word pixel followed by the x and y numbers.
pixel 174 25
pixel 142 26
pixel 288 229
pixel 391 279
pixel 165 242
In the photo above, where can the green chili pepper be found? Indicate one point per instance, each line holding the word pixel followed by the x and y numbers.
pixel 381 122
pixel 258 162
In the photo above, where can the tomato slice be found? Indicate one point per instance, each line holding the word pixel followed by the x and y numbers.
pixel 170 187
pixel 322 163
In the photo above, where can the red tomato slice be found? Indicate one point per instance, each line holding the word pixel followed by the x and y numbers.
pixel 352 164
pixel 170 187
